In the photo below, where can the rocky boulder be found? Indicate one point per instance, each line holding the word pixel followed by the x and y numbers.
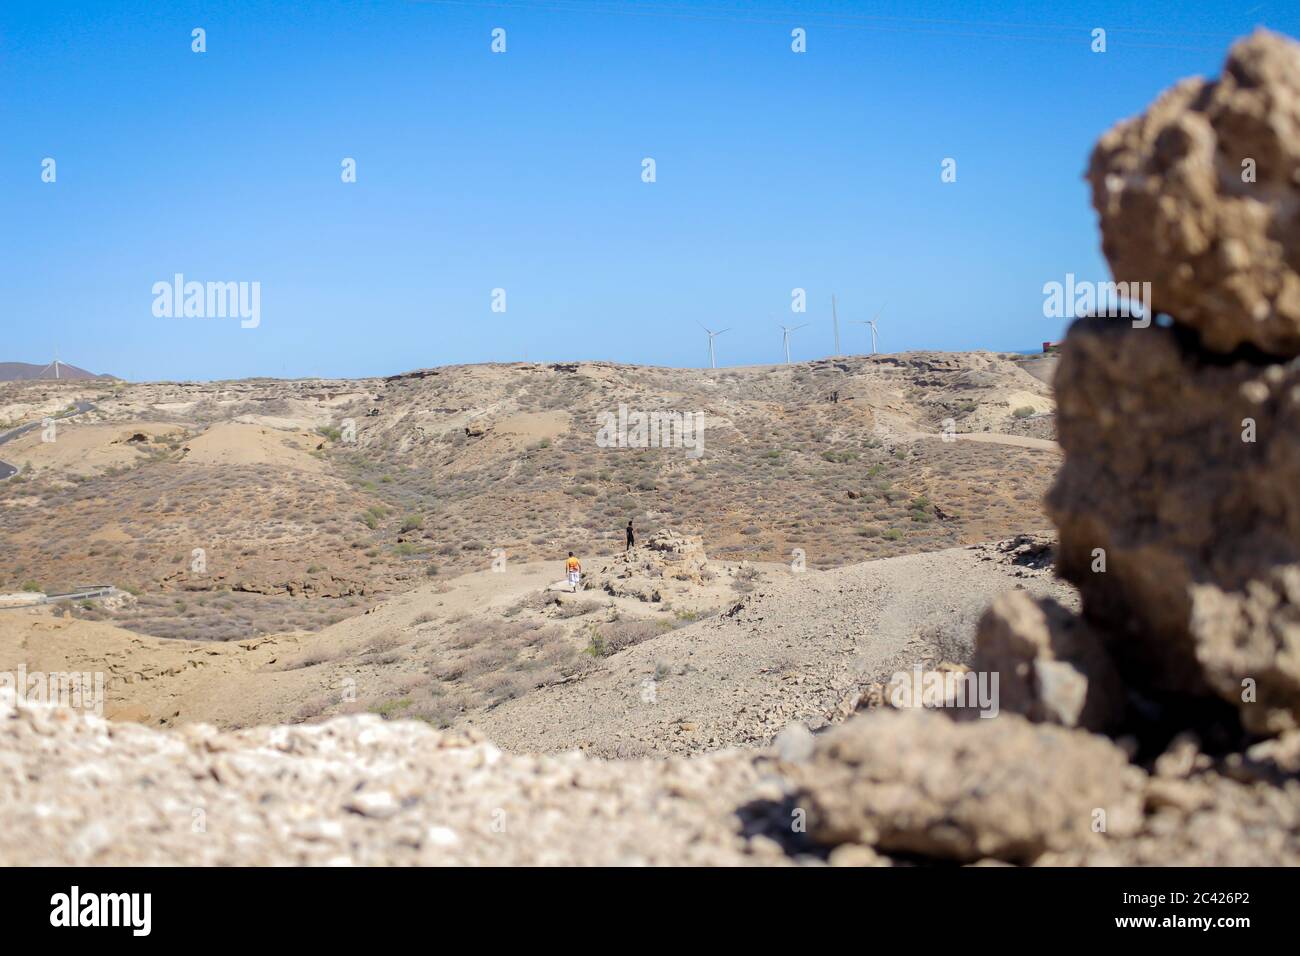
pixel 1178 506
pixel 666 556
pixel 1198 197
pixel 915 782
pixel 1052 667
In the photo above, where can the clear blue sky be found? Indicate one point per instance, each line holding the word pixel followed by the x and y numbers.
pixel 523 171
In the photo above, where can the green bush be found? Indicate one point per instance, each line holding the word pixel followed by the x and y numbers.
pixel 389 709
pixel 596 645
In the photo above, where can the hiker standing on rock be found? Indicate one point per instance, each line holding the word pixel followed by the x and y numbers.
pixel 631 536
pixel 573 567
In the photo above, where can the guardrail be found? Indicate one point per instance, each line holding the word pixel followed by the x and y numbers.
pixel 89 591
pixel 76 594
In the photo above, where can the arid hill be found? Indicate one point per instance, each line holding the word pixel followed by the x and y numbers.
pixel 23 371
pixel 657 655
pixel 237 509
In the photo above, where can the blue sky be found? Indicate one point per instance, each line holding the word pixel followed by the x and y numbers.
pixel 522 171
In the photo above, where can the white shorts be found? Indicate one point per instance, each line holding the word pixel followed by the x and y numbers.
pixel 573 576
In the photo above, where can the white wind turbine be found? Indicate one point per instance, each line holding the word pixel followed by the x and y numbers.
pixel 835 323
pixel 55 365
pixel 785 339
pixel 713 363
pixel 872 323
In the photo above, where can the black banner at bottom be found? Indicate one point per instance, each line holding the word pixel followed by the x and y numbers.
pixel 337 905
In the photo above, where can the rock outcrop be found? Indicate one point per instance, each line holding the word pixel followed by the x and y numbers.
pixel 1179 513
pixel 1178 504
pixel 915 782
pixel 1052 666
pixel 1198 197
pixel 644 571
pixel 916 785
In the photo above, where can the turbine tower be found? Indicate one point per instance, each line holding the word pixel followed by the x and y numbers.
pixel 871 323
pixel 785 339
pixel 873 326
pixel 54 365
pixel 835 321
pixel 713 362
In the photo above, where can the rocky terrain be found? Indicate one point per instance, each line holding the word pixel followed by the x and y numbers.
pixel 662 651
pixel 1155 720
pixel 799 648
pixel 348 492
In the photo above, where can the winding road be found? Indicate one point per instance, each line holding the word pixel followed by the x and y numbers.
pixel 7 470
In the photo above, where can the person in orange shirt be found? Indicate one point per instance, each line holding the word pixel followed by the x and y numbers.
pixel 574 568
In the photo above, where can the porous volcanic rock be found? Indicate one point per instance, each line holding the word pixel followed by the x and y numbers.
pixel 1052 666
pixel 916 782
pixel 1182 475
pixel 79 790
pixel 1198 196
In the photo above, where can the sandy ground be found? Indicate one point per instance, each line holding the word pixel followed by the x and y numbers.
pixel 238 683
pixel 84 449
pixel 236 443
pixel 1041 367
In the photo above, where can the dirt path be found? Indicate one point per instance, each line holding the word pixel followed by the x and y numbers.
pixel 1020 441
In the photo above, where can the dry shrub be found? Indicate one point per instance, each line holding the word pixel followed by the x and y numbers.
pixel 568 609
pixel 623 634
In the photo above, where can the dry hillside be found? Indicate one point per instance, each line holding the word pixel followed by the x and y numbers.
pixel 308 501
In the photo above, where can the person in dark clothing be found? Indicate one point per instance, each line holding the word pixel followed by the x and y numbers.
pixel 631 536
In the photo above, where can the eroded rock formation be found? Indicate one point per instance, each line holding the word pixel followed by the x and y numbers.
pixel 1198 197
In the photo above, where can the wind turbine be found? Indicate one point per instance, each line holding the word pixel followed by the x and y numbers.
pixel 872 323
pixel 55 365
pixel 713 362
pixel 835 321
pixel 785 339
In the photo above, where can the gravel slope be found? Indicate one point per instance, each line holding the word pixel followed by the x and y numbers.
pixel 791 651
